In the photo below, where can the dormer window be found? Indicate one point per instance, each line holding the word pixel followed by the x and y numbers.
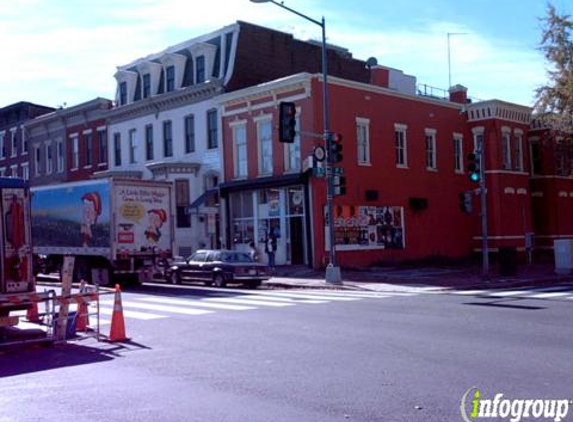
pixel 123 93
pixel 200 69
pixel 146 85
pixel 170 78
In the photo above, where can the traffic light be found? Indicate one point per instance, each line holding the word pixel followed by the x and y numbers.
pixel 287 122
pixel 465 203
pixel 335 148
pixel 474 167
pixel 339 185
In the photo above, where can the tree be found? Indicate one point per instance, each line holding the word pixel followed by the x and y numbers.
pixel 554 102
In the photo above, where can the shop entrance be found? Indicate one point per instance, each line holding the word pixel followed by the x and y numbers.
pixel 296 240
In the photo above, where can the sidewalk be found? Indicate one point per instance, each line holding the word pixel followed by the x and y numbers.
pixel 404 278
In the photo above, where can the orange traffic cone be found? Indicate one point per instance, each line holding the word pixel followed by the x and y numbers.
pixel 117 331
pixel 32 314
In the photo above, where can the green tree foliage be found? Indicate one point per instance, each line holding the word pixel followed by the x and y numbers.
pixel 554 102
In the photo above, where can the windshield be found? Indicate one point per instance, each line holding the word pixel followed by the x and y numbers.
pixel 235 257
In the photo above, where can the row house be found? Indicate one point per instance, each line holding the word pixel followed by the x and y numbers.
pixel 166 123
pixel 14 145
pixel 68 144
pixel 404 160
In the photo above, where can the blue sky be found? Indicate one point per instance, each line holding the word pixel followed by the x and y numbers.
pixel 57 52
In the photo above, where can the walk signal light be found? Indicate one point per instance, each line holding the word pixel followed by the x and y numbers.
pixel 287 122
pixel 474 167
pixel 335 148
pixel 339 185
pixel 465 203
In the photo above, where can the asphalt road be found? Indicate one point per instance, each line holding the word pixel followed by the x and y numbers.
pixel 298 356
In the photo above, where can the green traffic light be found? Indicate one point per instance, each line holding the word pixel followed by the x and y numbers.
pixel 474 177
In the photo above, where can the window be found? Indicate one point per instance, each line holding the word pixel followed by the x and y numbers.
pixel 123 93
pixel 132 146
pixel 49 158
pixel 149 142
pixel 75 153
pixel 146 85
pixel 25 171
pixel 458 154
pixel 518 151
pixel 89 148
pixel 167 139
pixel 506 150
pixel 182 201
pixel 535 152
pixel 265 141
pixel 400 143
pixel 117 148
pixel 37 160
pixel 2 145
pixel 60 156
pixel 14 170
pixel 170 78
pixel 24 141
pixel 560 160
pixel 189 134
pixel 431 149
pixel 13 143
pixel 292 151
pixel 102 140
pixel 212 129
pixel 200 69
pixel 240 150
pixel 363 140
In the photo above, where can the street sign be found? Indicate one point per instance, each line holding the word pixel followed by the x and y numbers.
pixel 338 170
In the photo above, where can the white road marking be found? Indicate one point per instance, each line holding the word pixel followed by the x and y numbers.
pixel 549 295
pixel 508 293
pixel 247 301
pixel 467 292
pixel 310 296
pixel 132 314
pixel 164 308
pixel 197 303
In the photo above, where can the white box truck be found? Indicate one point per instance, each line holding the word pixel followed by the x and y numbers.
pixel 112 226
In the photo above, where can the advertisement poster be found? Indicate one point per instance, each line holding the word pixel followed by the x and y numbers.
pixel 368 227
pixel 72 216
pixel 16 237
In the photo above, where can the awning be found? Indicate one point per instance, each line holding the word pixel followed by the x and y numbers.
pixel 202 199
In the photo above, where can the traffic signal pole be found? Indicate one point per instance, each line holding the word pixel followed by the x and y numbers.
pixel 483 201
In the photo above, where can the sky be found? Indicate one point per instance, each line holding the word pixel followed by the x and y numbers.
pixel 65 52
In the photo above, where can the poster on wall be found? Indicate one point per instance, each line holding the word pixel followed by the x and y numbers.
pixel 367 227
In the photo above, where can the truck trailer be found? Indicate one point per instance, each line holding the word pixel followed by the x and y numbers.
pixel 112 226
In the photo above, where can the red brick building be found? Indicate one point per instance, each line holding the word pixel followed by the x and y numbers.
pixel 404 164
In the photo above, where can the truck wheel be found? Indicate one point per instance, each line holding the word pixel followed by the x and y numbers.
pixel 219 280
pixel 175 278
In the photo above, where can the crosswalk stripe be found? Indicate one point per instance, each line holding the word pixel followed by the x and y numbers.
pixel 361 295
pixel 549 295
pixel 467 292
pixel 508 293
pixel 164 308
pixel 132 314
pixel 310 296
pixel 247 301
pixel 198 303
pixel 281 299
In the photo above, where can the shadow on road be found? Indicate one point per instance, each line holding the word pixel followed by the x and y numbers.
pixel 28 359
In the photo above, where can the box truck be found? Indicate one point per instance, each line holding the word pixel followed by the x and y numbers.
pixel 112 226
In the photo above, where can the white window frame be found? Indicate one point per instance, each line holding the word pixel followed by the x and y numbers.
pixel 49 158
pixel 14 170
pixel 24 141
pixel 132 136
pixel 88 134
pixel 292 152
pixel 265 145
pixel 402 129
pixel 431 153
pixel 240 154
pixel 102 146
pixel 13 142
pixel 75 145
pixel 25 171
pixel 60 156
pixel 363 141
pixel 2 144
pixel 518 147
pixel 458 153
pixel 37 160
pixel 506 148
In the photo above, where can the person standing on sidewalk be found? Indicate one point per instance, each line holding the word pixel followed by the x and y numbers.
pixel 271 249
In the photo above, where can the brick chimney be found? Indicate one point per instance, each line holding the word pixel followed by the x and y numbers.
pixel 459 94
pixel 380 76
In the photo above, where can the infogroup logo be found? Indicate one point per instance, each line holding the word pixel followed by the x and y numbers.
pixel 475 407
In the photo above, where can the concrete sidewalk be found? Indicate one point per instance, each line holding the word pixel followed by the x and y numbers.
pixel 403 278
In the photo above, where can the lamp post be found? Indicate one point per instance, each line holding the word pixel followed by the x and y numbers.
pixel 332 271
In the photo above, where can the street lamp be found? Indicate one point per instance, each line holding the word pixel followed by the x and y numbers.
pixel 332 271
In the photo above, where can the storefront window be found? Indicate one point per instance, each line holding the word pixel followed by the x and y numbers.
pixel 242 215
